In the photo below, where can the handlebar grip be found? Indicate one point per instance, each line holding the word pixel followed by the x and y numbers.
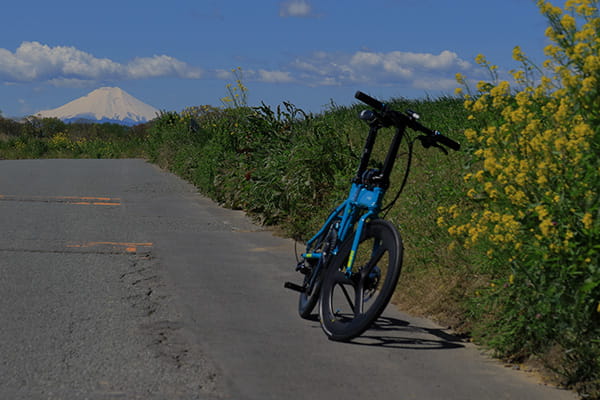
pixel 365 98
pixel 446 141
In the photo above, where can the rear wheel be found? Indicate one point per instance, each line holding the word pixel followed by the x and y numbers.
pixel 309 298
pixel 350 303
pixel 312 280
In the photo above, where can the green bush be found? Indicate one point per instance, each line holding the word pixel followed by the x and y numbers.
pixel 536 209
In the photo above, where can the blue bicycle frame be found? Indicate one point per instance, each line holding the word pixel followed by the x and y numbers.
pixel 360 198
pixel 364 195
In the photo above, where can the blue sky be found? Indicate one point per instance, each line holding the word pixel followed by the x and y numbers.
pixel 179 53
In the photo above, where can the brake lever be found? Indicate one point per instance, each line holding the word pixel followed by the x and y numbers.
pixel 428 141
pixel 442 148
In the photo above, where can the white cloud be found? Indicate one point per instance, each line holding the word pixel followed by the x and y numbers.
pixel 406 60
pixel 150 67
pixel 13 68
pixel 69 66
pixel 224 74
pixel 416 70
pixel 62 65
pixel 274 76
pixel 295 8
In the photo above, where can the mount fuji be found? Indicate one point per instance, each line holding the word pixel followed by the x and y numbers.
pixel 107 104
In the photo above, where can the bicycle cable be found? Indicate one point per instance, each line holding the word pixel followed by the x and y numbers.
pixel 387 208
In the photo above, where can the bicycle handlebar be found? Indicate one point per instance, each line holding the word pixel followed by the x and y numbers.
pixel 397 118
pixel 365 98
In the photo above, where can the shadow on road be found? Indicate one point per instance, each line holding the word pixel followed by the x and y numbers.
pixel 399 334
pixel 395 333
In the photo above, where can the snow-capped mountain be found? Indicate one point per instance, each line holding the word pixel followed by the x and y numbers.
pixel 107 104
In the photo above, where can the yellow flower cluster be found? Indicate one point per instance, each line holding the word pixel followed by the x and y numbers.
pixel 587 220
pixel 60 140
pixel 238 93
pixel 537 173
pixel 500 229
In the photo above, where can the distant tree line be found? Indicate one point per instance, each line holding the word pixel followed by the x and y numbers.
pixel 36 127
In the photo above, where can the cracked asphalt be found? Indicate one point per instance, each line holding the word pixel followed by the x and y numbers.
pixel 119 281
pixel 86 310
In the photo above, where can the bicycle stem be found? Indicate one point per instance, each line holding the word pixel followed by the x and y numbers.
pixel 388 165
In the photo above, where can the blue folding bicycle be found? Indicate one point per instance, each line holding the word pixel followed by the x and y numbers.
pixel 352 264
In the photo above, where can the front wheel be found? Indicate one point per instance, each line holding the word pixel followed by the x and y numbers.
pixel 350 303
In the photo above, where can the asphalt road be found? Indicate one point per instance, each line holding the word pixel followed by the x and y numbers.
pixel 119 281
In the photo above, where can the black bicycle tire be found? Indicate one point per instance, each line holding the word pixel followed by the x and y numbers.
pixel 308 301
pixel 340 330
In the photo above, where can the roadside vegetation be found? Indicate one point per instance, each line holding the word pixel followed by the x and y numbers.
pixel 502 239
pixel 51 138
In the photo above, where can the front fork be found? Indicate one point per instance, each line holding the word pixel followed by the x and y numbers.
pixel 369 199
pixel 356 241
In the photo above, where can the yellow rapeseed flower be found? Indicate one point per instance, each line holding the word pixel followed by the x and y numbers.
pixel 586 9
pixel 545 226
pixel 519 76
pixel 480 105
pixel 482 86
pixel 568 22
pixel 521 179
pixel 479 175
pixel 453 210
pixel 589 84
pixel 592 63
pixel 587 220
pixel 571 4
pixel 541 211
pixel 517 54
pixel 470 134
pixel 549 9
pixel 480 59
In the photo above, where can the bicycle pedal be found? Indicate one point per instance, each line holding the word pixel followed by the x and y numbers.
pixel 293 286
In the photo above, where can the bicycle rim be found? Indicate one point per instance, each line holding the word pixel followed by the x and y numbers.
pixel 351 303
pixel 308 301
pixel 312 282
